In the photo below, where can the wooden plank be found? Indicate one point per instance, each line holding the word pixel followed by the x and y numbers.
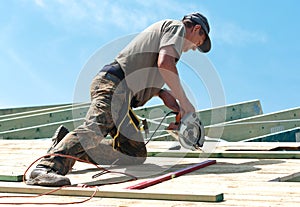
pixel 244 182
pixel 12 178
pixel 230 112
pixel 43 117
pixel 208 116
pixel 5 112
pixel 252 127
pixel 42 123
pixel 128 194
pixel 229 154
pixel 290 135
pixel 295 177
pixel 38 131
pixel 250 146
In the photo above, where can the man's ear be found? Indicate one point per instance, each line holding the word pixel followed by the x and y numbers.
pixel 197 27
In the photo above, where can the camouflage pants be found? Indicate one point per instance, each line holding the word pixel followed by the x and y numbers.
pixel 109 113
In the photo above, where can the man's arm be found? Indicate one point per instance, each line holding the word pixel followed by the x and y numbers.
pixel 172 104
pixel 167 67
pixel 167 97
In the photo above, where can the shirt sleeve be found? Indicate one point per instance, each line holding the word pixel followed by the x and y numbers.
pixel 173 35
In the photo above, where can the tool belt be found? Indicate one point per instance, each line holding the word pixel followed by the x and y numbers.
pixel 131 124
pixel 114 69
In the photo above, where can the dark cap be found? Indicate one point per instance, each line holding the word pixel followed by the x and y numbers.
pixel 200 19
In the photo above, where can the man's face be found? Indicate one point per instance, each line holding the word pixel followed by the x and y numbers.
pixel 193 39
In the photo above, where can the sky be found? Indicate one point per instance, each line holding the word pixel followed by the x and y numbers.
pixel 45 46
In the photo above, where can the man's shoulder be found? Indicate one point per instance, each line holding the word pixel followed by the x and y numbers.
pixel 167 23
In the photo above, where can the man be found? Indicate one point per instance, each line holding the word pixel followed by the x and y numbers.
pixel 138 73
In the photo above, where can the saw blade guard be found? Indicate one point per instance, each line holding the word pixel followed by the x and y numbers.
pixel 191 132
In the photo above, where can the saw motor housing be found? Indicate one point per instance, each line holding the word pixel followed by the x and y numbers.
pixel 191 132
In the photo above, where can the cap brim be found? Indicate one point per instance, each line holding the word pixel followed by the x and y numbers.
pixel 206 46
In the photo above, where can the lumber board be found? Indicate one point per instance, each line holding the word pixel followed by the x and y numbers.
pixel 38 131
pixel 12 178
pixel 10 112
pixel 290 135
pixel 294 177
pixel 252 146
pixel 209 116
pixel 244 182
pixel 128 194
pixel 44 144
pixel 235 188
pixel 229 154
pixel 251 127
pixel 43 123
pixel 43 117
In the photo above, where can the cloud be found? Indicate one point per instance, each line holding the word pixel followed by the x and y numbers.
pixel 130 16
pixel 88 14
pixel 232 34
pixel 40 3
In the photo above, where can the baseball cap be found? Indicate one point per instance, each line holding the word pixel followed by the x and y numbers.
pixel 202 20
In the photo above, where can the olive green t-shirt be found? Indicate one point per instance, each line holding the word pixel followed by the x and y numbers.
pixel 139 58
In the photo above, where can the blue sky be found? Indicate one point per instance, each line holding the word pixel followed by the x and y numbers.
pixel 45 44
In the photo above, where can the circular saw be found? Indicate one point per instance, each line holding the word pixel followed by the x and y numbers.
pixel 191 132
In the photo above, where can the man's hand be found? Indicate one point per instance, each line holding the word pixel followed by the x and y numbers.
pixel 172 104
pixel 173 126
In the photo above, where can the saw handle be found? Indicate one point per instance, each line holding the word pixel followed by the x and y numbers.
pixel 177 117
pixel 175 125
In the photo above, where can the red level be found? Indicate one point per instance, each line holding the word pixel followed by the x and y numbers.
pixel 171 175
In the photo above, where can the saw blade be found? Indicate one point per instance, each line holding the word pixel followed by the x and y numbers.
pixel 191 132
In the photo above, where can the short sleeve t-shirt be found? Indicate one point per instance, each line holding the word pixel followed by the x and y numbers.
pixel 139 58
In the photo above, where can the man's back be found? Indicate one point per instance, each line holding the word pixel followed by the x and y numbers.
pixel 139 58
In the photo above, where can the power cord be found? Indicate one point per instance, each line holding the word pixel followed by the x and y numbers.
pixel 104 171
pixel 165 116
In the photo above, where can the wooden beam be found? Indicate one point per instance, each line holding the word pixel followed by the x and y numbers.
pixel 43 123
pixel 222 146
pixel 43 117
pixel 128 194
pixel 295 177
pixel 18 110
pixel 252 127
pixel 208 116
pixel 229 154
pixel 12 178
pixel 290 135
pixel 38 131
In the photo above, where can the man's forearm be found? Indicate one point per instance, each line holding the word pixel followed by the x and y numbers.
pixel 173 82
pixel 167 67
pixel 169 100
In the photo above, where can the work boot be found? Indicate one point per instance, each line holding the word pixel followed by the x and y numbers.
pixel 46 176
pixel 59 134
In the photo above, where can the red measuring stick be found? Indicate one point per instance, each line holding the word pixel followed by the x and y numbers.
pixel 171 175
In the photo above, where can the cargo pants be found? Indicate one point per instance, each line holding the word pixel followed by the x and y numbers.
pixel 109 113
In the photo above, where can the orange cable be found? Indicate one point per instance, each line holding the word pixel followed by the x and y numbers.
pixel 78 185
